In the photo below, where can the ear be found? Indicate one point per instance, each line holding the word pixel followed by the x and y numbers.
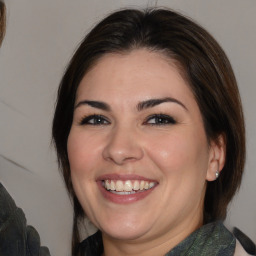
pixel 217 156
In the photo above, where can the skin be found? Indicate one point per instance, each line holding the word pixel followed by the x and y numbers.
pixel 127 141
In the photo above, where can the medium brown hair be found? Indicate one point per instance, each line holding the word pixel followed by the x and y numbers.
pixel 2 21
pixel 204 66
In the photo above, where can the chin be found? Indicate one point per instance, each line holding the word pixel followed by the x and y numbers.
pixel 125 235
pixel 125 230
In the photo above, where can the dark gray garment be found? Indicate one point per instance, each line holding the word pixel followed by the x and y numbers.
pixel 16 238
pixel 212 239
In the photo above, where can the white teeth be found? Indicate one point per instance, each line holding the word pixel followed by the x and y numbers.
pixel 119 186
pixel 142 185
pixel 112 185
pixel 107 185
pixel 136 185
pixel 123 192
pixel 128 186
pixel 151 184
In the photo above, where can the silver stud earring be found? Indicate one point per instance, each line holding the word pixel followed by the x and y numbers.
pixel 217 174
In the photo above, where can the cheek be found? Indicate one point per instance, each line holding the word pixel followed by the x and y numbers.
pixel 182 160
pixel 80 153
pixel 179 153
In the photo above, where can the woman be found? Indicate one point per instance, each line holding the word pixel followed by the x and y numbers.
pixel 150 137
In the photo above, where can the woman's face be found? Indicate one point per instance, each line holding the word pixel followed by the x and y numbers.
pixel 137 148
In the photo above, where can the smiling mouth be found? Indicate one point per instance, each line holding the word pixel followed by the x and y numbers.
pixel 127 187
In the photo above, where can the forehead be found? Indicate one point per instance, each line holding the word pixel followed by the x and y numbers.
pixel 137 73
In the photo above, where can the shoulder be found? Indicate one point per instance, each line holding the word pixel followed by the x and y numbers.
pixel 92 245
pixel 16 238
pixel 244 245
pixel 239 251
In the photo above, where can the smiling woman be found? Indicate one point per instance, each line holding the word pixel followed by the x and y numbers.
pixel 149 133
pixel 138 155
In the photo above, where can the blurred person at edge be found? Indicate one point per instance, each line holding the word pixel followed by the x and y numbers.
pixel 16 238
pixel 150 137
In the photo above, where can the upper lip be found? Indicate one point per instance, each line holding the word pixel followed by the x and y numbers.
pixel 123 177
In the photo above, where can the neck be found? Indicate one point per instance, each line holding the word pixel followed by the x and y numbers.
pixel 151 246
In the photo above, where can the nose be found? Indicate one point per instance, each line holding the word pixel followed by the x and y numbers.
pixel 123 145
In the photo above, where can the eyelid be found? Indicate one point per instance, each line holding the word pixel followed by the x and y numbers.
pixel 85 119
pixel 164 119
pixel 169 118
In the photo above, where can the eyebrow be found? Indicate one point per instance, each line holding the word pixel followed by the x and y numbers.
pixel 154 102
pixel 95 104
pixel 140 106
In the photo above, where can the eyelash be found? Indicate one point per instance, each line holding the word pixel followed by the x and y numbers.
pixel 160 119
pixel 98 120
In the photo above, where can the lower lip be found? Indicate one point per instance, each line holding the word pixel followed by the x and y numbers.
pixel 123 199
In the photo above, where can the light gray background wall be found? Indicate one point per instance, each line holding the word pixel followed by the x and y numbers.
pixel 41 37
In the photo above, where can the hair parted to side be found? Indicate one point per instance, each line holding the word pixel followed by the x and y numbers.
pixel 2 21
pixel 203 65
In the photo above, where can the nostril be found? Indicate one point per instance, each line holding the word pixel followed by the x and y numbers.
pixel 122 151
